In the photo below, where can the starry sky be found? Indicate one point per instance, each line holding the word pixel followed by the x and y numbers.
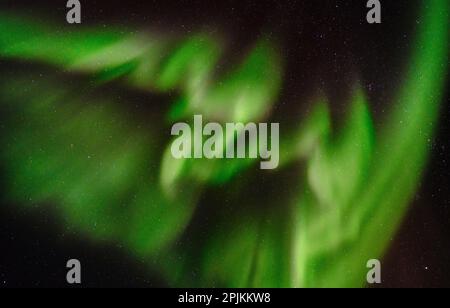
pixel 324 44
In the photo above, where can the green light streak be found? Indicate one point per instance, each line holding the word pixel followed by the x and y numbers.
pixel 332 248
pixel 112 177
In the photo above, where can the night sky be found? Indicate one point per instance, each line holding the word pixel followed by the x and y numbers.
pixel 325 44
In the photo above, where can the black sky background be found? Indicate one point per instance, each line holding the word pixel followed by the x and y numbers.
pixel 326 44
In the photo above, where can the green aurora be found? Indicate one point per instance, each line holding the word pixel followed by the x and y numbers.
pixel 110 175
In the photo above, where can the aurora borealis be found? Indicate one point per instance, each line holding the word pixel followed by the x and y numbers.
pixel 73 143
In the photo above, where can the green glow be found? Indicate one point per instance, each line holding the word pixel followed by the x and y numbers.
pixel 333 246
pixel 111 177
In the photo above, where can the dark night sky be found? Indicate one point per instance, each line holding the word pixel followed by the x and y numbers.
pixel 325 44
